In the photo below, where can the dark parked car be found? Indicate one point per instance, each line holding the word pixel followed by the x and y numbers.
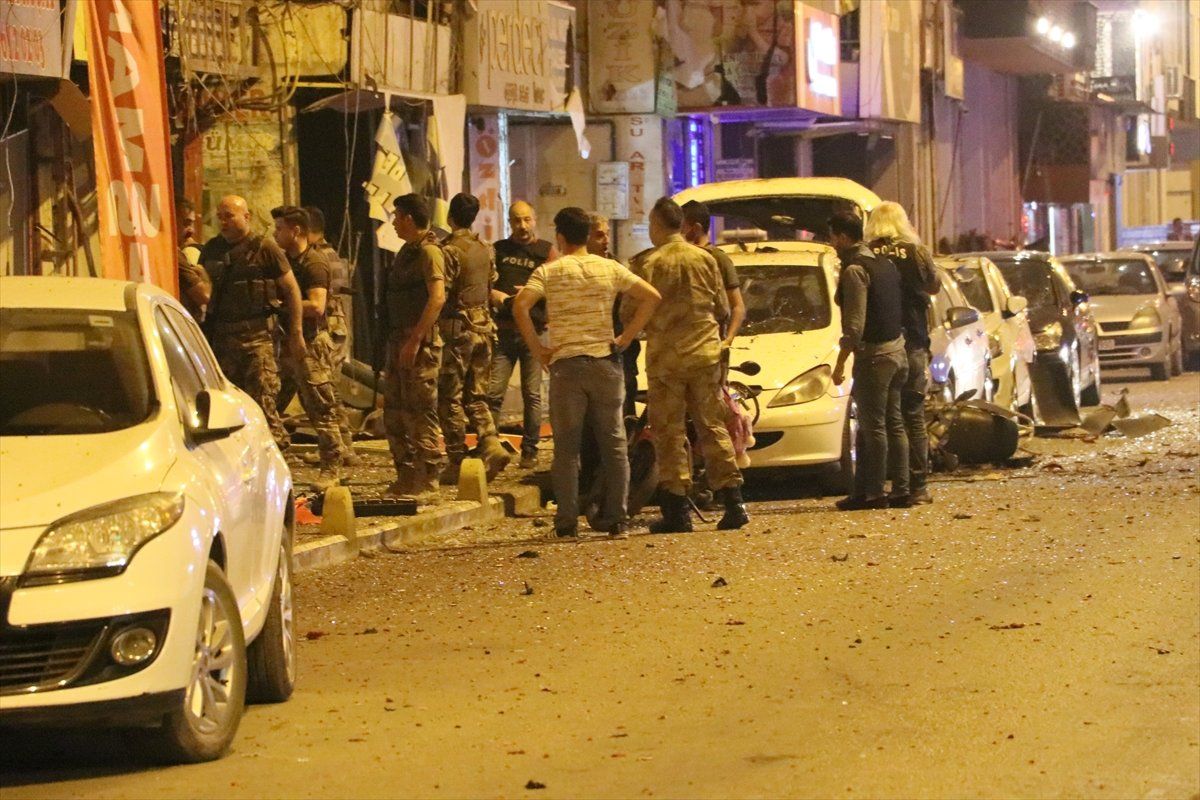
pixel 1061 319
pixel 1173 259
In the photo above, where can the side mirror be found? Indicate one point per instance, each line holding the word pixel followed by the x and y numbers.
pixel 749 368
pixel 958 316
pixel 1015 305
pixel 1193 288
pixel 1079 297
pixel 220 416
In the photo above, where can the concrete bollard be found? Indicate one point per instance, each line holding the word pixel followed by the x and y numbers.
pixel 472 481
pixel 337 516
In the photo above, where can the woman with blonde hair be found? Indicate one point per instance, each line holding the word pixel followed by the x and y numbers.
pixel 889 234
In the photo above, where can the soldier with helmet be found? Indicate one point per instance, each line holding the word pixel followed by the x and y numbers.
pixel 467 331
pixel 250 275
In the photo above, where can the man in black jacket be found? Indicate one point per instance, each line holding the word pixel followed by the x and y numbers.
pixel 870 294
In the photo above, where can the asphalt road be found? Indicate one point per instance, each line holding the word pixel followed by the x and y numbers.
pixel 1034 633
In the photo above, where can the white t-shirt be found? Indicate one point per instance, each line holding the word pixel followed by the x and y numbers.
pixel 580 291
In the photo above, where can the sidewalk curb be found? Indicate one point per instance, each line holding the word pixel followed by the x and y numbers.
pixel 404 532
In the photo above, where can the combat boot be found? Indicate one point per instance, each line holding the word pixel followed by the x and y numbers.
pixel 350 458
pixel 676 516
pixel 327 479
pixel 425 488
pixel 735 509
pixel 495 457
pixel 449 475
pixel 403 485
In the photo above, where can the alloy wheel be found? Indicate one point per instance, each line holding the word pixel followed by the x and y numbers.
pixel 207 703
pixel 286 612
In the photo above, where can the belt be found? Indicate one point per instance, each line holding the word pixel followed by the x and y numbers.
pixel 244 326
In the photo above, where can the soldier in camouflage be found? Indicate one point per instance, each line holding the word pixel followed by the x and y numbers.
pixel 467 331
pixel 249 272
pixel 312 376
pixel 414 292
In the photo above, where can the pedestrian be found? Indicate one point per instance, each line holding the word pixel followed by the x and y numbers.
pixel 870 294
pixel 696 221
pixel 312 376
pixel 1178 232
pixel 516 259
pixel 337 323
pixel 467 330
pixel 250 276
pixel 414 291
pixel 683 370
pixel 891 236
pixel 587 385
pixel 195 285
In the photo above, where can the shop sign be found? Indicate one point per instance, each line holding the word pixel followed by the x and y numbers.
pixel 517 55
pixel 485 176
pixel 31 38
pixel 817 73
pixel 734 169
pixel 621 78
pixel 243 155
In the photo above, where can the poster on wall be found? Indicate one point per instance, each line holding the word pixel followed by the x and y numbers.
pixel 621 78
pixel 890 60
pixel 243 155
pixel 612 189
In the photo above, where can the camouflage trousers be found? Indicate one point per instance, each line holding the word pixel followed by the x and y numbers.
pixel 333 357
pixel 462 386
pixel 673 398
pixel 312 377
pixel 248 359
pixel 410 400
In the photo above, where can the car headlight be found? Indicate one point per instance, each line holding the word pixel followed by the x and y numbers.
pixel 1146 317
pixel 1049 337
pixel 100 541
pixel 804 388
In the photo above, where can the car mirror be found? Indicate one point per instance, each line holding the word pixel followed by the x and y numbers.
pixel 220 415
pixel 1079 297
pixel 1015 305
pixel 958 316
pixel 1193 288
pixel 749 368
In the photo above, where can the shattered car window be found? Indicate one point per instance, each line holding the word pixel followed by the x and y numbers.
pixel 784 299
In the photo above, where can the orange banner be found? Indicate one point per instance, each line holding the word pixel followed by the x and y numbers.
pixel 133 149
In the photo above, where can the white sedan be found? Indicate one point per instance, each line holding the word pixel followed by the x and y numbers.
pixel 145 522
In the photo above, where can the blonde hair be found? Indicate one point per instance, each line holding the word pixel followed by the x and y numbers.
pixel 888 220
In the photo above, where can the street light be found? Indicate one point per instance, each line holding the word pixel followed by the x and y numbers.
pixel 1043 25
pixel 1068 40
pixel 1056 34
pixel 1145 24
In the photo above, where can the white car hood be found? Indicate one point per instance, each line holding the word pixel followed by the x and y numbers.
pixel 1120 307
pixel 45 478
pixel 782 356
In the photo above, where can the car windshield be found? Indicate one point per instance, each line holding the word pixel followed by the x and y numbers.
pixel 1172 263
pixel 783 299
pixel 776 218
pixel 66 372
pixel 1030 278
pixel 973 283
pixel 1114 277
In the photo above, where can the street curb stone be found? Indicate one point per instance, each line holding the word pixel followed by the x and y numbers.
pixel 410 531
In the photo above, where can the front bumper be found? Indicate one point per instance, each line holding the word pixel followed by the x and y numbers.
pixel 144 710
pixel 1133 349
pixel 802 435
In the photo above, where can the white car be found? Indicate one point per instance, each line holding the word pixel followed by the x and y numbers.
pixel 145 522
pixel 960 360
pixel 1006 323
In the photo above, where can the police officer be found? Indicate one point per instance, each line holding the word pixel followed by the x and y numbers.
pixel 312 376
pixel 414 292
pixel 683 370
pixel 467 329
pixel 516 259
pixel 249 272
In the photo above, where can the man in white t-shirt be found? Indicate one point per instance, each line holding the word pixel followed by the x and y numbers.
pixel 587 382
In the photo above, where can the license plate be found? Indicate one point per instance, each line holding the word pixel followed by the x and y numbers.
pixel 1108 344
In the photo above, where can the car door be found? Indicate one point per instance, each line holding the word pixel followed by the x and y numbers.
pixel 223 461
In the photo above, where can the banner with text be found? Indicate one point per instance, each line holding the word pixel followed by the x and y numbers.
pixel 133 149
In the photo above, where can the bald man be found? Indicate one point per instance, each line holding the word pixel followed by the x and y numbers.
pixel 516 259
pixel 251 277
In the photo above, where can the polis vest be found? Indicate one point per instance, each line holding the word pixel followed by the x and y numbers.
pixel 514 264
pixel 915 302
pixel 884 298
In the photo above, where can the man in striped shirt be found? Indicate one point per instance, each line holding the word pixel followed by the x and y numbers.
pixel 587 383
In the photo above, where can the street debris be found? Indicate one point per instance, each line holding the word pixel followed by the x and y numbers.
pixel 842 557
pixel 1012 626
pixel 528 589
pixel 528 554
pixel 963 516
pixel 532 784
pixel 367 632
pixel 719 582
pixel 312 636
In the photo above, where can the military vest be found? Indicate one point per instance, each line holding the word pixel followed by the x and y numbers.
pixel 472 286
pixel 405 291
pixel 241 289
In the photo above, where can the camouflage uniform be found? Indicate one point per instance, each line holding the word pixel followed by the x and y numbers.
pixel 339 327
pixel 240 317
pixel 410 393
pixel 467 331
pixel 312 376
pixel 683 354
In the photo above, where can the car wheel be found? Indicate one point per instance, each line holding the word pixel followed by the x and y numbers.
pixel 271 657
pixel 1177 361
pixel 1162 371
pixel 1091 395
pixel 841 481
pixel 202 727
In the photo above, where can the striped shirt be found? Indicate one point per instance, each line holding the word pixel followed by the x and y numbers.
pixel 579 292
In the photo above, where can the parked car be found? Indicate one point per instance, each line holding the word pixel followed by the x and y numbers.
pixel 1173 260
pixel 1006 321
pixel 1063 326
pixel 960 360
pixel 146 531
pixel 1140 325
pixel 778 209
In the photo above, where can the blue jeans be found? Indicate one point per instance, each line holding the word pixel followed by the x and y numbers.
pixel 882 441
pixel 588 392
pixel 510 351
pixel 912 405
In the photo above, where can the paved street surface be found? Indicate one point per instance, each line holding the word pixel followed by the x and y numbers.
pixel 1035 633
